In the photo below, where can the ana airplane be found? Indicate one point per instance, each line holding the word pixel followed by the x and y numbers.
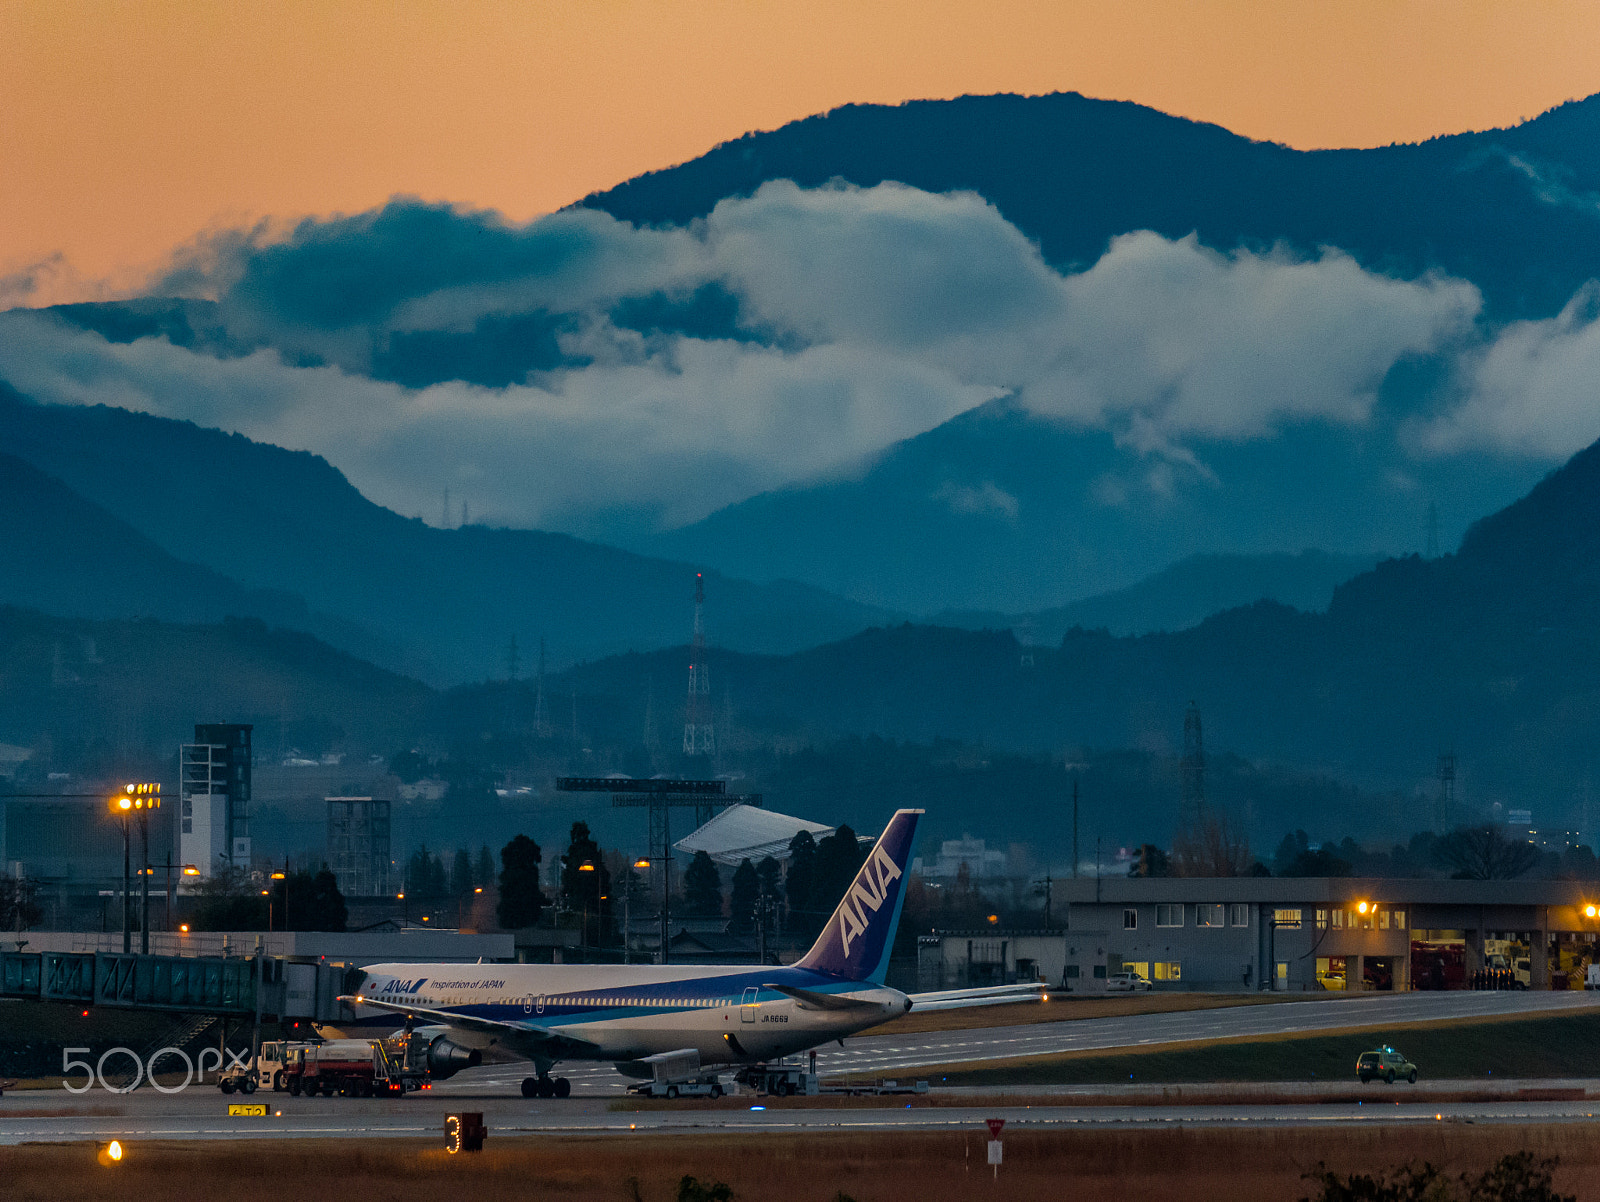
pixel 631 1014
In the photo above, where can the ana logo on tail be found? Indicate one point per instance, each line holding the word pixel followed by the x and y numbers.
pixel 866 895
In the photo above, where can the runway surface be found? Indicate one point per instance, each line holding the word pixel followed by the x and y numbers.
pixel 200 1112
pixel 202 1116
pixel 881 1055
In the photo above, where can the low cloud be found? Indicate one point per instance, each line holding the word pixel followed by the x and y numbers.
pixel 658 374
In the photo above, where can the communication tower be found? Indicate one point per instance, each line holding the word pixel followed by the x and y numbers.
pixel 699 731
pixel 541 709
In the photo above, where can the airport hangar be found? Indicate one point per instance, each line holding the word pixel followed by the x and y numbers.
pixel 1287 933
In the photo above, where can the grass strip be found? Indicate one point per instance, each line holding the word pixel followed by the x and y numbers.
pixel 1568 1046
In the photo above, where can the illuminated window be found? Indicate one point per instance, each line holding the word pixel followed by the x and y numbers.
pixel 1287 918
pixel 1137 967
pixel 1383 920
pixel 1169 915
pixel 1168 970
pixel 1399 920
pixel 1322 920
pixel 1338 920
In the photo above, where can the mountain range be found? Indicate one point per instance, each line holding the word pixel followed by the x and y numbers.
pixel 1005 506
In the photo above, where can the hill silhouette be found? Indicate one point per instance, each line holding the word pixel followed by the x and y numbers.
pixel 440 603
pixel 1510 209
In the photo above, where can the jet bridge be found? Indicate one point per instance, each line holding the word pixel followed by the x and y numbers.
pixel 221 985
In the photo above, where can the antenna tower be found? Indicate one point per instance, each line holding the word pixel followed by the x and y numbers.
pixel 1193 767
pixel 1431 549
pixel 541 711
pixel 699 732
pixel 1447 789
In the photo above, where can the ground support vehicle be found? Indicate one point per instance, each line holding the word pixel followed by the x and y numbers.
pixel 879 1088
pixel 356 1068
pixel 5 1085
pixel 1386 1064
pixel 781 1080
pixel 691 1087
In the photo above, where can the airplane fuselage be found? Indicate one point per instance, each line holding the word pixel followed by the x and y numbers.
pixel 624 1012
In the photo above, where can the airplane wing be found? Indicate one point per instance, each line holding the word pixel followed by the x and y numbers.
pixel 995 995
pixel 520 1036
pixel 809 999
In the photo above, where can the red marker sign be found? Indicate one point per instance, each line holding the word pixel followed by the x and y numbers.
pixel 994 1127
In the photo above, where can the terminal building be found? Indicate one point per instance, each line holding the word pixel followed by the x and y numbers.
pixel 1294 934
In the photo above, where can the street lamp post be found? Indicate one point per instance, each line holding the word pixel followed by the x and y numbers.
pixel 136 799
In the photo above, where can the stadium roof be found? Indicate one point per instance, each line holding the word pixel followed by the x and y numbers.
pixel 743 832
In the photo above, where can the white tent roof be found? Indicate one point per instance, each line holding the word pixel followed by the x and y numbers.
pixel 743 832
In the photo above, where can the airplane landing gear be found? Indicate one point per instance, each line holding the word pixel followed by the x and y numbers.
pixel 545 1087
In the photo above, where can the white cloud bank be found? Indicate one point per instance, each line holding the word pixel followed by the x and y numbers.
pixel 881 313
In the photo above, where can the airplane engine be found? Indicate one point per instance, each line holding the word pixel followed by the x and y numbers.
pixel 446 1059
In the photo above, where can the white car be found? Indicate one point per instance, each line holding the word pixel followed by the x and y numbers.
pixel 1125 982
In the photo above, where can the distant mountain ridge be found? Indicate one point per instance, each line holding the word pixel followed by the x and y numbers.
pixel 1182 596
pixel 1510 209
pixel 442 604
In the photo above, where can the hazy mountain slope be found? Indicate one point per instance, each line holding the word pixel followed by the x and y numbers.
pixel 1182 595
pixel 1493 651
pixel 67 556
pixel 999 510
pixel 101 695
pixel 1504 208
pixel 270 518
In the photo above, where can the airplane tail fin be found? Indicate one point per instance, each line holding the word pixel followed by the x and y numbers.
pixel 857 939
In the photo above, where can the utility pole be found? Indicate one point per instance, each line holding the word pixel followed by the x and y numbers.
pixel 1075 858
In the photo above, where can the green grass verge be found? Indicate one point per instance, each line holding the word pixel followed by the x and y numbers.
pixel 1537 1047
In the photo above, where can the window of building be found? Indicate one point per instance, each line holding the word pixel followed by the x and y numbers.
pixel 1169 915
pixel 1130 920
pixel 1338 920
pixel 1138 967
pixel 1209 916
pixel 1383 920
pixel 1071 972
pixel 1287 918
pixel 1168 970
pixel 1239 915
pixel 1100 972
pixel 1322 920
pixel 1283 970
pixel 1399 920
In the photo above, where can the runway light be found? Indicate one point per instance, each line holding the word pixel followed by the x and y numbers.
pixel 109 1154
pixel 758 1108
pixel 183 928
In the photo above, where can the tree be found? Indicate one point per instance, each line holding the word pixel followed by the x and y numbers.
pixel 1215 846
pixel 1483 853
pixel 1150 860
pixel 425 876
pixel 770 873
pixel 702 887
pixel 483 874
pixel 461 873
pixel 228 900
pixel 743 899
pixel 799 880
pixel 586 891
pixel 325 908
pixel 839 858
pixel 521 899
pixel 18 910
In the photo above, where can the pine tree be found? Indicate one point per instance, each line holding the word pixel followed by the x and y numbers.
pixel 742 900
pixel 586 891
pixel 702 887
pixel 839 858
pixel 461 873
pixel 521 899
pixel 483 875
pixel 799 882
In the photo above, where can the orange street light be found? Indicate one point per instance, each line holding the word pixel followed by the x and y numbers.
pixel 479 889
pixel 586 867
pixel 1591 910
pixel 1363 907
pixel 277 876
pixel 641 863
pixel 190 870
pixel 183 928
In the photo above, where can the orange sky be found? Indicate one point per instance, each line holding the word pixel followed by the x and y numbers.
pixel 127 127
